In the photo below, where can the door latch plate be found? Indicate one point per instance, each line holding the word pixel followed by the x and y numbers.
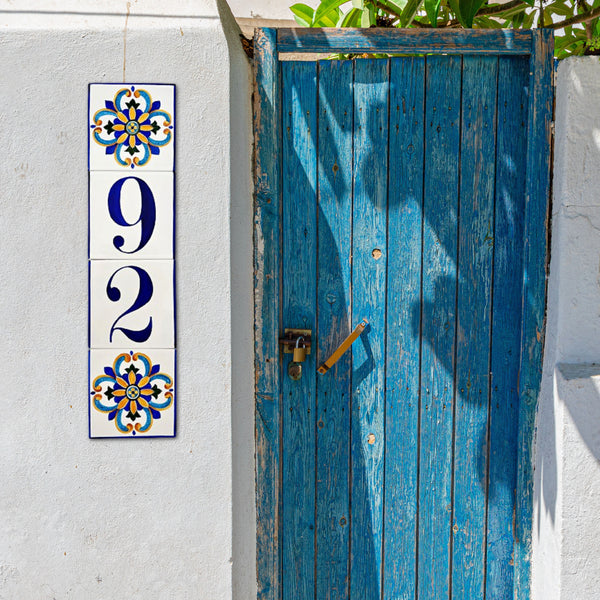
pixel 292 335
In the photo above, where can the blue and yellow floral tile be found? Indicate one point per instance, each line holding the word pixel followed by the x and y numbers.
pixel 131 214
pixel 132 393
pixel 131 127
pixel 132 302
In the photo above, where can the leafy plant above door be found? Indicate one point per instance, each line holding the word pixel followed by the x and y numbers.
pixel 577 22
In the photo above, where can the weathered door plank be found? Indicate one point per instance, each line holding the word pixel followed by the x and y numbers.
pixel 474 304
pixel 368 302
pixel 334 302
pixel 405 208
pixel 539 136
pixel 299 109
pixel 513 79
pixel 442 138
pixel 267 205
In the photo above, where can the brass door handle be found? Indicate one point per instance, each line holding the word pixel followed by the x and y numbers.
pixel 343 347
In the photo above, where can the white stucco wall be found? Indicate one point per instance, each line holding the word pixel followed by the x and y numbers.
pixel 122 519
pixel 566 559
pixel 266 9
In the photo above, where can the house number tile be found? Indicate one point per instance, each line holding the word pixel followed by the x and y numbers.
pixel 131 214
pixel 132 127
pixel 131 302
pixel 131 260
pixel 132 392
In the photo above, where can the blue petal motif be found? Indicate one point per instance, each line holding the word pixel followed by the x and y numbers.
pixel 111 149
pixel 119 364
pixel 120 425
pixel 146 156
pixel 146 364
pixel 102 408
pixel 161 142
pixel 148 422
pixel 103 142
pixel 155 369
pixel 119 99
pixel 118 155
pixel 109 371
pixel 112 415
pixel 155 105
pixel 109 104
pixel 155 413
pixel 104 379
pixel 146 98
pixel 155 150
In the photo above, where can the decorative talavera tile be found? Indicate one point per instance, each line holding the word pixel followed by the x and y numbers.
pixel 131 214
pixel 131 127
pixel 132 392
pixel 132 302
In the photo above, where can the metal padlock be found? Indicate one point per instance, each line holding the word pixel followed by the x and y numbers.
pixel 299 352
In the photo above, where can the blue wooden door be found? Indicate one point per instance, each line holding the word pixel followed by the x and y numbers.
pixel 411 192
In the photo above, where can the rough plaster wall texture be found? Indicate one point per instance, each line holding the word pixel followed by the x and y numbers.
pixel 568 443
pixel 110 519
pixel 577 209
pixel 579 389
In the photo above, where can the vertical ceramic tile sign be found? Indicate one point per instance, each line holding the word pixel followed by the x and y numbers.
pixel 131 260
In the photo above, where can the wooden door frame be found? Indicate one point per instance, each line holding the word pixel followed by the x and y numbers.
pixel 268 43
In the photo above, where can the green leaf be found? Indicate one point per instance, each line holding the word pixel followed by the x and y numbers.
pixel 394 7
pixel 368 16
pixel 518 19
pixel 528 20
pixel 409 12
pixel 352 18
pixel 303 14
pixel 468 9
pixel 328 20
pixel 360 4
pixel 454 6
pixel 432 8
pixel 487 23
pixel 559 9
pixel 327 6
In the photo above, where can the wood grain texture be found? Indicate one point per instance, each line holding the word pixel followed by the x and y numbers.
pixel 442 138
pixel 368 302
pixel 334 302
pixel 511 147
pixel 405 206
pixel 417 41
pixel 474 304
pixel 534 290
pixel 299 198
pixel 267 309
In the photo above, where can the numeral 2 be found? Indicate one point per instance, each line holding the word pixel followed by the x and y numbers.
pixel 146 289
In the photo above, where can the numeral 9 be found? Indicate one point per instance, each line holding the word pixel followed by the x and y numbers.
pixel 146 220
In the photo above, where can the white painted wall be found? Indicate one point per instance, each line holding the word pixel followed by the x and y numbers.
pixel 122 519
pixel 265 9
pixel 567 527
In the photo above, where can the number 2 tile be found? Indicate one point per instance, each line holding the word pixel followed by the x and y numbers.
pixel 132 302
